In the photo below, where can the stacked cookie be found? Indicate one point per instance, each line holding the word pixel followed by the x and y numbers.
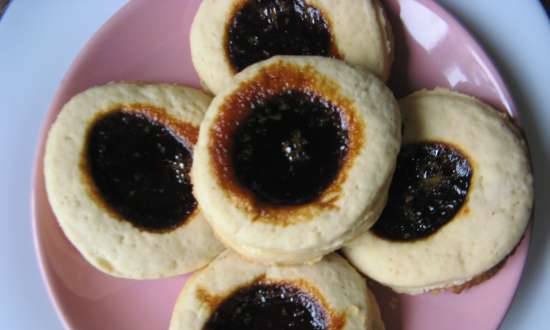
pixel 294 158
pixel 459 202
pixel 299 154
pixel 117 167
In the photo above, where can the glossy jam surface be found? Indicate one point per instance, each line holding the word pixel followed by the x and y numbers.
pixel 140 169
pixel 264 28
pixel 290 148
pixel 429 186
pixel 268 307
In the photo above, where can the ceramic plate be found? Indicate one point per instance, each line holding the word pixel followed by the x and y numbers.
pixel 149 40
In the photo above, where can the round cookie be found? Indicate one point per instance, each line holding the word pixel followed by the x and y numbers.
pixel 460 200
pixel 232 293
pixel 116 167
pixel 295 157
pixel 227 36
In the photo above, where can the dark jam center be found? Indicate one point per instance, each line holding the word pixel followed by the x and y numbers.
pixel 429 186
pixel 264 28
pixel 290 148
pixel 268 307
pixel 141 170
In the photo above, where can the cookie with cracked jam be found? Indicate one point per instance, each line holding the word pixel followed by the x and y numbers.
pixel 235 294
pixel 117 165
pixel 294 158
pixel 228 36
pixel 459 202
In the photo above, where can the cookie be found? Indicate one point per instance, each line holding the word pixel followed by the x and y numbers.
pixel 460 200
pixel 116 169
pixel 228 36
pixel 295 158
pixel 232 293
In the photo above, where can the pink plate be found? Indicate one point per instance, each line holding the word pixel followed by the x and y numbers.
pixel 148 40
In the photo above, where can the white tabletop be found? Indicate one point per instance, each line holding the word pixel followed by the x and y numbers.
pixel 39 40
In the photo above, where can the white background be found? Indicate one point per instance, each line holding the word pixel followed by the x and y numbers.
pixel 39 40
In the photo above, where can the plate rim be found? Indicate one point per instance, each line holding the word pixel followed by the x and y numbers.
pixel 38 164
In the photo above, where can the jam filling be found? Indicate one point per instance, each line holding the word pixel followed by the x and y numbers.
pixel 261 29
pixel 290 148
pixel 140 169
pixel 268 307
pixel 429 186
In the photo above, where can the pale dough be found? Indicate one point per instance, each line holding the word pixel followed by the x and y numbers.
pixel 334 281
pixel 360 30
pixel 498 204
pixel 111 245
pixel 358 202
